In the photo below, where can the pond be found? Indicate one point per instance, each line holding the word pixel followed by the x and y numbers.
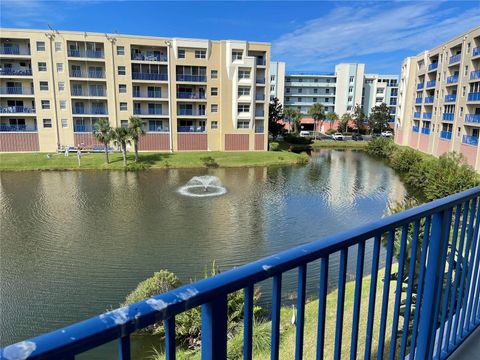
pixel 74 244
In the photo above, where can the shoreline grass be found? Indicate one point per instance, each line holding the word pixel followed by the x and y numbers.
pixel 346 144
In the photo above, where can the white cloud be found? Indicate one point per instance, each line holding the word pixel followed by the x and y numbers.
pixel 350 32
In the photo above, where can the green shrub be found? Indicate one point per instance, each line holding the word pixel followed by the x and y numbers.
pixel 297 140
pixel 330 131
pixel 381 147
pixel 137 166
pixel 303 158
pixel 274 146
pixel 209 162
pixel 417 177
pixel 161 281
pixel 404 159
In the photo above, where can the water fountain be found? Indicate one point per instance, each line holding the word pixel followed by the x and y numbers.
pixel 203 186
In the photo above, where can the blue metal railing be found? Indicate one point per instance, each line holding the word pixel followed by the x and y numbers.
pixel 14 50
pixel 261 61
pixel 190 112
pixel 429 100
pixel 193 78
pixel 149 57
pixel 153 94
pixel 149 111
pixel 149 76
pixel 455 58
pixel 16 90
pixel 417 114
pixel 472 118
pixel 16 72
pixel 157 128
pixel 476 51
pixel 88 92
pixel 432 66
pixel 447 135
pixel 451 98
pixel 16 110
pixel 435 244
pixel 431 83
pixel 473 96
pixel 427 115
pixel 97 54
pixel 474 75
pixel 18 127
pixel 82 128
pixel 418 100
pixel 196 129
pixel 89 111
pixel 190 95
pixel 420 86
pixel 425 131
pixel 415 129
pixel 448 116
pixel 260 80
pixel 91 74
pixel 452 79
pixel 470 140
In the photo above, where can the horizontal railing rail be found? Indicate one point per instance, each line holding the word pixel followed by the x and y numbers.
pixel 149 57
pixel 431 83
pixel 432 66
pixel 151 111
pixel 17 109
pixel 451 98
pixel 476 51
pixel 417 114
pixel 15 72
pixel 447 135
pixel 473 96
pixel 472 118
pixel 448 116
pixel 192 78
pixel 18 128
pixel 475 75
pixel 470 140
pixel 91 74
pixel 196 129
pixel 88 92
pixel 152 94
pixel 454 59
pixel 149 76
pixel 425 131
pixel 415 129
pixel 452 79
pixel 14 50
pixel 190 95
pixel 434 244
pixel 427 115
pixel 89 111
pixel 420 86
pixel 429 100
pixel 96 54
pixel 16 90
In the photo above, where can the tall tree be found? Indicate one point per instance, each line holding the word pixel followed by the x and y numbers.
pixel 331 117
pixel 358 117
pixel 121 137
pixel 379 118
pixel 293 116
pixel 135 127
pixel 275 114
pixel 344 121
pixel 103 133
pixel 317 112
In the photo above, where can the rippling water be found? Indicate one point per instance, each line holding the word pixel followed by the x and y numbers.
pixel 74 244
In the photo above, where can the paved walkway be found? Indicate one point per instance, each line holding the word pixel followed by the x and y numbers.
pixel 470 349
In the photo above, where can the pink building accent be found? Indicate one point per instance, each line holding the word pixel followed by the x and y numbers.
pixel 259 142
pixel 86 139
pixel 236 142
pixel 192 142
pixel 443 146
pixel 470 153
pixel 414 140
pixel 13 141
pixel 423 145
pixel 154 142
pixel 399 136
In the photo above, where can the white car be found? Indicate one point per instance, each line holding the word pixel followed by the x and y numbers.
pixel 338 136
pixel 304 133
pixel 387 134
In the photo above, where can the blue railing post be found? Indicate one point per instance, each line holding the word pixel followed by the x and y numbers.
pixel 428 322
pixel 214 329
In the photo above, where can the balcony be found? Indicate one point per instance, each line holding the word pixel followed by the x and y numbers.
pixel 149 76
pixel 16 110
pixel 88 92
pixel 415 129
pixel 190 112
pixel 476 51
pixel 191 78
pixel 472 118
pixel 448 116
pixel 418 100
pixel 15 72
pixel 420 86
pixel 425 131
pixel 16 90
pixel 89 111
pixel 452 79
pixel 473 96
pixel 417 114
pixel 451 98
pixel 149 57
pixel 18 128
pixel 260 80
pixel 475 75
pixel 259 113
pixel 427 115
pixel 446 135
pixel 150 94
pixel 259 129
pixel 83 128
pixel 439 257
pixel 157 128
pixel 454 59
pixel 191 129
pixel 259 97
pixel 470 140
pixel 190 95
pixel 429 100
pixel 432 66
pixel 149 111
pixel 261 61
pixel 95 54
pixel 431 83
pixel 14 50
pixel 91 74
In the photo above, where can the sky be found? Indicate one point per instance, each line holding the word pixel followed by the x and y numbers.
pixel 310 36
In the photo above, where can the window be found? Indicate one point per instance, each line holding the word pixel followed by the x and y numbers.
pixel 214 108
pixel 300 90
pixel 327 91
pixel 315 91
pixel 272 78
pixel 64 123
pixel 287 99
pixel 47 123
pixel 214 74
pixel 243 108
pixel 122 88
pixel 181 53
pixel 123 106
pixel 287 90
pixel 121 70
pixel 461 111
pixel 351 79
pixel 243 74
pixel 42 66
pixel 58 46
pixel 299 99
pixel 243 125
pixel 40 45
pixel 59 67
pixel 214 124
pixel 464 90
pixel 314 99
pixel 45 104
pixel 120 50
pixel 200 54
pixel 272 88
pixel 243 91
pixel 123 123
pixel 214 91
pixel 61 86
pixel 63 104
pixel 44 85
pixel 237 55
pixel 380 90
pixel 466 70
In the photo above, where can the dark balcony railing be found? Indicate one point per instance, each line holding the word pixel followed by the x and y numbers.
pixel 91 74
pixel 83 128
pixel 470 140
pixel 96 54
pixel 429 100
pixel 473 96
pixel 261 61
pixel 259 97
pixel 417 114
pixel 156 128
pixel 418 100
pixel 451 98
pixel 432 66
pixel 452 79
pixel 191 78
pixel 434 244
pixel 259 113
pixel 149 76
pixel 472 118
pixel 420 86
pixel 476 51
pixel 260 80
pixel 147 94
pixel 16 110
pixel 190 112
pixel 150 57
pixel 475 75
pixel 448 116
pixel 431 83
pixel 14 50
pixel 190 95
pixel 415 129
pixel 425 131
pixel 188 129
pixel 88 92
pixel 447 135
pixel 15 72
pixel 259 129
pixel 427 115
pixel 89 111
pixel 16 90
pixel 455 58
pixel 18 128
pixel 149 111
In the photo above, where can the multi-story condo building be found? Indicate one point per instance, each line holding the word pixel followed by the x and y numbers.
pixel 439 99
pixel 192 94
pixel 277 80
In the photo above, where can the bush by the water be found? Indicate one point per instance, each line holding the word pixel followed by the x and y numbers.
pixel 297 140
pixel 382 147
pixel 405 159
pixel 274 146
pixel 209 162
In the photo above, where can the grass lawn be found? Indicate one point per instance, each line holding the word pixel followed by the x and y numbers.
pixel 40 161
pixel 347 144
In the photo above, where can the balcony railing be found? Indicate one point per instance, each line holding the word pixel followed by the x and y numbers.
pixel 261 61
pixel 190 95
pixel 96 54
pixel 191 78
pixel 431 83
pixel 260 80
pixel 432 66
pixel 157 128
pixel 470 140
pixel 429 100
pixel 434 244
pixel 89 111
pixel 88 92
pixel 16 110
pixel 259 113
pixel 147 94
pixel 149 57
pixel 452 79
pixel 189 129
pixel 451 98
pixel 474 75
pixel 151 111
pixel 14 50
pixel 427 115
pixel 259 129
pixel 476 51
pixel 190 112
pixel 83 128
pixel 15 72
pixel 91 74
pixel 259 97
pixel 447 135
pixel 18 128
pixel 425 131
pixel 415 129
pixel 455 58
pixel 448 116
pixel 149 76
pixel 418 100
pixel 417 114
pixel 420 86
pixel 16 90
pixel 473 96
pixel 472 118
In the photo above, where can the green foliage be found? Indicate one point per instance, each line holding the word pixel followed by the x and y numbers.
pixel 136 130
pixel 275 114
pixel 103 133
pixel 330 131
pixel 295 139
pixel 358 118
pixel 382 147
pixel 209 162
pixel 405 159
pixel 161 281
pixel 317 112
pixel 293 116
pixel 379 118
pixel 274 146
pixel 331 117
pixel 343 124
pixel 260 341
pixel 121 137
pixel 304 158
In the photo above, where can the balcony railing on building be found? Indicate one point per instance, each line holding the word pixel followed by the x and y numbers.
pixel 452 79
pixel 152 94
pixel 429 100
pixel 259 113
pixel 149 57
pixel 157 128
pixel 431 83
pixel 259 96
pixel 191 129
pixel 16 110
pixel 261 61
pixel 15 72
pixel 83 128
pixel 191 78
pixel 417 114
pixel 88 92
pixel 455 58
pixel 149 111
pixel 448 116
pixel 91 74
pixel 446 135
pixel 475 75
pixel 418 100
pixel 476 51
pixel 14 50
pixel 420 86
pixel 425 131
pixel 16 90
pixel 432 66
pixel 18 127
pixel 89 110
pixel 427 115
pixel 259 129
pixel 470 140
pixel 472 118
pixel 190 95
pixel 259 80
pixel 415 129
pixel 451 98
pixel 473 96
pixel 149 76
pixel 199 112
pixel 96 54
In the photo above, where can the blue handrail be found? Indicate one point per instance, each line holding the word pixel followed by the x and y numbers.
pixel 439 222
pixel 16 90
pixel 149 76
pixel 16 72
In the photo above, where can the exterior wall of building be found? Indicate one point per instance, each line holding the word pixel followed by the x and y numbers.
pixel 439 99
pixel 56 85
pixel 277 81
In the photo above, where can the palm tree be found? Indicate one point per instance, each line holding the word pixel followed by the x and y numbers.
pixel 294 116
pixel 317 112
pixel 121 137
pixel 103 133
pixel 332 117
pixel 135 127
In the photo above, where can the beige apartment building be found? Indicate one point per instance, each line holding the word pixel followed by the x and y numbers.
pixel 439 99
pixel 193 94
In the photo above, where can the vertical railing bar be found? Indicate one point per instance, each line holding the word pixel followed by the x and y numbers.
pixel 300 323
pixel 248 322
pixel 416 315
pixel 124 348
pixel 170 349
pixel 342 276
pixel 474 288
pixel 322 304
pixel 276 303
pixel 386 291
pixel 411 276
pixel 398 291
pixel 214 328
pixel 477 301
pixel 372 297
pixel 357 301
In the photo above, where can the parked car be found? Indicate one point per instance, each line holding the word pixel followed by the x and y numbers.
pixel 387 133
pixel 304 133
pixel 357 137
pixel 338 136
